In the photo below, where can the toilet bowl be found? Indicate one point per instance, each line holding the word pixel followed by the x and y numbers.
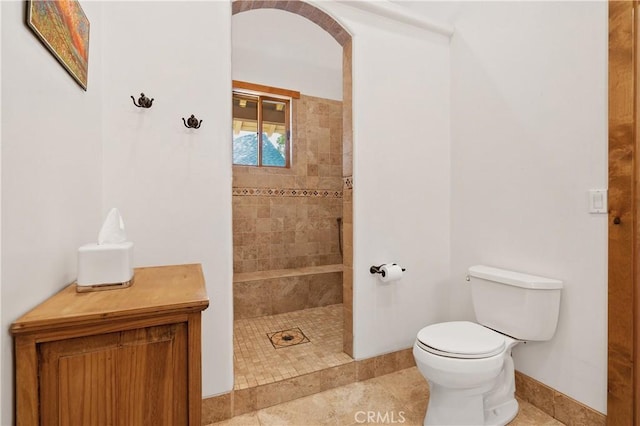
pixel 468 365
pixel 470 373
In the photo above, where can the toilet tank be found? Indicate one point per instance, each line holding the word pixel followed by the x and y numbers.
pixel 519 305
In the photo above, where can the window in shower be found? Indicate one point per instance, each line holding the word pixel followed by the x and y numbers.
pixel 261 127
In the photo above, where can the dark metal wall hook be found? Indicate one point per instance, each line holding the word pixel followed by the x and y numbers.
pixel 192 122
pixel 143 101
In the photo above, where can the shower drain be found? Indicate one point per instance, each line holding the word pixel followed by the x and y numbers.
pixel 286 338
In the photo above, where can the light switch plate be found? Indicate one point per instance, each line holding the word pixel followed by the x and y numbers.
pixel 598 201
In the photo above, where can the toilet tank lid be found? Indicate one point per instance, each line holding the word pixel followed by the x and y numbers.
pixel 513 278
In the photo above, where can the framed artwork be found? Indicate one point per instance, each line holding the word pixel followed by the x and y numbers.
pixel 64 28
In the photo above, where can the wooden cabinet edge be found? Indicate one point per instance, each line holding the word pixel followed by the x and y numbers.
pixel 33 327
pixel 26 365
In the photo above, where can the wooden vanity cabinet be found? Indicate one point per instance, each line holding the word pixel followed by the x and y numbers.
pixel 129 356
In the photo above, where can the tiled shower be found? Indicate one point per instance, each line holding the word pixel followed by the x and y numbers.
pixel 288 263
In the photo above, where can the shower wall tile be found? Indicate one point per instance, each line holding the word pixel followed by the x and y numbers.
pixel 289 292
pixel 347 343
pixel 249 299
pixel 347 271
pixel 347 329
pixel 287 218
pixel 347 117
pixel 325 289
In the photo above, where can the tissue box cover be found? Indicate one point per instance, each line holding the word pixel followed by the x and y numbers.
pixel 105 264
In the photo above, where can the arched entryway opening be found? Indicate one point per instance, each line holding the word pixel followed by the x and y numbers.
pixel 250 288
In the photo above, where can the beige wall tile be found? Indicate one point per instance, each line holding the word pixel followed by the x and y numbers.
pixel 244 401
pixel 573 413
pixel 365 369
pixel 385 364
pixel 252 299
pixel 288 390
pixel 347 117
pixel 216 408
pixel 347 288
pixel 267 395
pixel 263 225
pixel 347 342
pixel 325 289
pixel 347 320
pixel 337 376
pixel 289 294
pixel 249 266
pixel 262 212
pixel 405 359
pixel 535 392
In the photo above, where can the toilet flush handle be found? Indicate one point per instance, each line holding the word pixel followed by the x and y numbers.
pixel 467 278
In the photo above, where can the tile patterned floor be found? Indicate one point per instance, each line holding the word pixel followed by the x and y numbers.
pixel 257 362
pixel 398 398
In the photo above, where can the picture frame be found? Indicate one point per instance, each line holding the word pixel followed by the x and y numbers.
pixel 63 28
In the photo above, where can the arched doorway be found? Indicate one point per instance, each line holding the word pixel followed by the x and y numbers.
pixel 343 38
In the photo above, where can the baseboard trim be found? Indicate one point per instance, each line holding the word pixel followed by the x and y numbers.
pixel 556 404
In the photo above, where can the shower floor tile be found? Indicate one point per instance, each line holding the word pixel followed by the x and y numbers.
pixel 258 362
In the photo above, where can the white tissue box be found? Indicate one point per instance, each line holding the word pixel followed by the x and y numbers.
pixel 102 265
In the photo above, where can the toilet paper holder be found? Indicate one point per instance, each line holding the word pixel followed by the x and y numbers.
pixel 378 269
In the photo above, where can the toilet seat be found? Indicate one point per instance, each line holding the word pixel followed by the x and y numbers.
pixel 460 339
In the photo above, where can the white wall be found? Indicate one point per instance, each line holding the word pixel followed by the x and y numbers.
pixel 401 185
pixel 401 179
pixel 51 160
pixel 282 49
pixel 173 184
pixel 528 139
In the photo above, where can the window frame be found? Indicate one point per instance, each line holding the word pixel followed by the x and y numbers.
pixel 260 93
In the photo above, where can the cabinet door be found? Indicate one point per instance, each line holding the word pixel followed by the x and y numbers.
pixel 136 377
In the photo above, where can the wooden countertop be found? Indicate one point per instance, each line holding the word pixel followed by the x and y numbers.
pixel 155 290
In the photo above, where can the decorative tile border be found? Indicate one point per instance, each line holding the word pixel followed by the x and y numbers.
pixel 285 192
pixel 348 182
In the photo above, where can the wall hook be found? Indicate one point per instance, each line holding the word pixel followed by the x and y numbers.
pixel 192 122
pixel 143 101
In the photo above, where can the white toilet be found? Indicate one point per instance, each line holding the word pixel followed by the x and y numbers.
pixel 469 366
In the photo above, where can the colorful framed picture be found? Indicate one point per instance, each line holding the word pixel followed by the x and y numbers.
pixel 64 28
